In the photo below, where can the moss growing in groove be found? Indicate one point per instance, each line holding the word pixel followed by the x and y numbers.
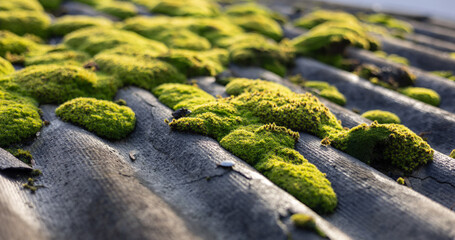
pixel 267 147
pixel 11 44
pixel 398 27
pixel 401 181
pixel 445 74
pixel 66 24
pixel 5 67
pixel 133 51
pixel 147 74
pixel 422 94
pixel 452 154
pixel 307 222
pixel 67 57
pixel 385 145
pixel 118 9
pixel 18 120
pixel 192 63
pixel 178 96
pixel 260 24
pixel 50 4
pixel 256 50
pixel 254 9
pixel 94 40
pixel 194 8
pixel 29 5
pixel 238 86
pixel 183 39
pixel 21 154
pixel 381 116
pixel 322 16
pixel 22 22
pixel 104 118
pixel 327 91
pixel 392 57
pixel 93 2
pixel 52 83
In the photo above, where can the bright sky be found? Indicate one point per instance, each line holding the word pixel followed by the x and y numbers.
pixel 442 9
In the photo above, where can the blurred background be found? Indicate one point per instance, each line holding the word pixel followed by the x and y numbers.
pixel 440 9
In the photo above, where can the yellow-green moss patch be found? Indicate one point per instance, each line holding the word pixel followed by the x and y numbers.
pixel 21 154
pixel 118 9
pixel 321 16
pixel 64 57
pixel 452 154
pixel 50 4
pixel 327 91
pixel 5 67
pixel 381 116
pixel 240 85
pixel 422 94
pixel 11 44
pixel 104 118
pixel 22 22
pixel 195 8
pixel 253 9
pixel 66 24
pixel 398 27
pixel 29 5
pixel 260 24
pixel 307 222
pixel 178 96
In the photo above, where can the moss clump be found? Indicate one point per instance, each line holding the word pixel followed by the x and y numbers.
pixel 238 86
pixel 21 154
pixel 327 91
pixel 67 24
pixel 381 116
pixel 445 74
pixel 50 4
pixel 52 83
pixel 65 57
pixel 260 24
pixel 398 28
pixel 307 222
pixel 94 40
pixel 392 57
pixel 118 9
pixel 29 5
pixel 322 16
pixel 183 39
pixel 266 147
pixel 93 2
pixel 256 50
pixel 104 118
pixel 253 9
pixel 178 96
pixel 11 44
pixel 5 67
pixel 422 94
pixel 22 22
pixel 133 51
pixel 452 154
pixel 195 8
pixel 135 71
pixel 18 121
pixel 401 181
pixel 192 63
pixel 385 145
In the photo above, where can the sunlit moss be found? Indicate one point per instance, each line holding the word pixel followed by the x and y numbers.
pixel 318 17
pixel 10 43
pixel 66 24
pixel 381 116
pixel 327 91
pixel 195 8
pixel 12 5
pixel 104 118
pixel 422 94
pixel 64 57
pixel 178 96
pixel 5 67
pixel 118 9
pixel 21 22
pixel 253 9
pixel 260 24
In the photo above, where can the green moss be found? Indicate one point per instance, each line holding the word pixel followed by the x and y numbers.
pixel 50 4
pixel 11 44
pixel 12 5
pixel 30 185
pixel 135 71
pixel 94 40
pixel 66 24
pixel 381 116
pixel 398 27
pixel 401 181
pixel 322 16
pixel 452 154
pixel 307 222
pixel 93 2
pixel 260 24
pixel 327 91
pixel 21 154
pixel 58 58
pixel 238 86
pixel 195 8
pixel 253 9
pixel 22 22
pixel 52 83
pixel 133 51
pixel 332 38
pixel 118 9
pixel 178 96
pixel 255 50
pixel 422 94
pixel 192 63
pixel 5 67
pixel 183 39
pixel 104 118
pixel 445 74
pixel 385 145
pixel 18 121
pixel 392 57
